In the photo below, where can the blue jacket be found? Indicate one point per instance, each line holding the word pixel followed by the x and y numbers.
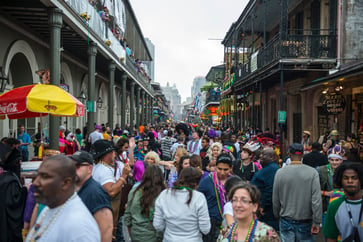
pixel 206 187
pixel 264 180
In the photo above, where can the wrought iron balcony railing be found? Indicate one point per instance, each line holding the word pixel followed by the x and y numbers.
pixel 296 46
pixel 213 97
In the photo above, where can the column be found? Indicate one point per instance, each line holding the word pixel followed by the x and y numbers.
pixel 138 106
pixel 147 100
pixel 123 100
pixel 92 52
pixel 142 119
pixel 55 23
pixel 132 99
pixel 151 110
pixel 111 73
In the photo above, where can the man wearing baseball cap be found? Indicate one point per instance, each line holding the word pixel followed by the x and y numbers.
pixel 92 194
pixel 296 198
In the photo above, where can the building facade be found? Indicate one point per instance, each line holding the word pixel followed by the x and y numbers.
pixel 172 95
pixel 283 60
pixel 84 46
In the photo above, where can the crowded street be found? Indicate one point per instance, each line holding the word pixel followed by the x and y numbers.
pixel 195 121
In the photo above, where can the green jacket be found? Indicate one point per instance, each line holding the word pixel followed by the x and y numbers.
pixel 140 226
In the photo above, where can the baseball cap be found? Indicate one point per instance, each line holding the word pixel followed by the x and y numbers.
pixel 62 127
pixel 81 157
pixel 296 149
pixel 98 127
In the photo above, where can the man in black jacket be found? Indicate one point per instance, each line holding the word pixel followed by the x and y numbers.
pixel 315 158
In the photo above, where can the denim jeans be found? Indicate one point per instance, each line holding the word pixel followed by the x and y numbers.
pixel 292 230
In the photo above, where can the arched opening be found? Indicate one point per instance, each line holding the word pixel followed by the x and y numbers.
pixel 20 65
pixel 20 74
pixel 102 112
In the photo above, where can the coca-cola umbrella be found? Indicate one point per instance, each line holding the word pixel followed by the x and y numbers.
pixel 39 100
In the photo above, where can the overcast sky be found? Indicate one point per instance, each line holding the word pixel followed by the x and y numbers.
pixel 180 31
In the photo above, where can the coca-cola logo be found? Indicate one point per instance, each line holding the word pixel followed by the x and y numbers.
pixel 79 111
pixel 10 108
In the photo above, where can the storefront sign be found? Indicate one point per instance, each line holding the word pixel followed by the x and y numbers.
pixel 333 103
pixel 254 61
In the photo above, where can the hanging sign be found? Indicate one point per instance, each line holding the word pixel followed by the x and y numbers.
pixel 333 103
pixel 91 106
pixel 282 117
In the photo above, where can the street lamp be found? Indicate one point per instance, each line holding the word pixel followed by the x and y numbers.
pixel 3 80
pixel 82 97
pixel 99 102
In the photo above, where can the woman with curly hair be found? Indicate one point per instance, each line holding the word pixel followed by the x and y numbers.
pixel 209 162
pixel 139 213
pixel 181 210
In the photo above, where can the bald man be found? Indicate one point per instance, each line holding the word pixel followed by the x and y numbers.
pixel 264 180
pixel 65 217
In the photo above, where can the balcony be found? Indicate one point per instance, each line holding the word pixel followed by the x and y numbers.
pixel 296 47
pixel 213 98
pixel 101 29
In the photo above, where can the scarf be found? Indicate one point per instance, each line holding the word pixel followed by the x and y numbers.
pixel 220 192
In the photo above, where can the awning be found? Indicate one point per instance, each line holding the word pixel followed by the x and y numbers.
pixel 207 86
pixel 341 75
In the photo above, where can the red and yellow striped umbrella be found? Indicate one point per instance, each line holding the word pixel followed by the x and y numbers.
pixel 39 100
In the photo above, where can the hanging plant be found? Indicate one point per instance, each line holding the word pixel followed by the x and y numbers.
pixel 85 16
pixel 122 59
pixel 108 42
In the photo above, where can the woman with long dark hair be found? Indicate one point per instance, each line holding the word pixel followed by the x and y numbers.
pixel 181 210
pixel 140 206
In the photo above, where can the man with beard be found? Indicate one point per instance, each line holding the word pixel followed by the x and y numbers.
pixel 92 194
pixel 264 180
pixel 65 217
pixel 13 194
pixel 205 147
pixel 344 216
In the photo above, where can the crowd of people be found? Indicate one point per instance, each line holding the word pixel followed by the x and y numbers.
pixel 182 182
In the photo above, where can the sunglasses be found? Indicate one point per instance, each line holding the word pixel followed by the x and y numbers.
pixel 83 164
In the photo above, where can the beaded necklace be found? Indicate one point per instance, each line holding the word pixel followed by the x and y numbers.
pixel 242 166
pixel 330 175
pixel 233 236
pixel 192 148
pixel 109 166
pixel 219 191
pixel 183 187
pixel 37 226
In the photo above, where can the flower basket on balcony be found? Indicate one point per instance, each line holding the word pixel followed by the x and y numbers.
pixel 122 59
pixel 85 16
pixel 108 42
